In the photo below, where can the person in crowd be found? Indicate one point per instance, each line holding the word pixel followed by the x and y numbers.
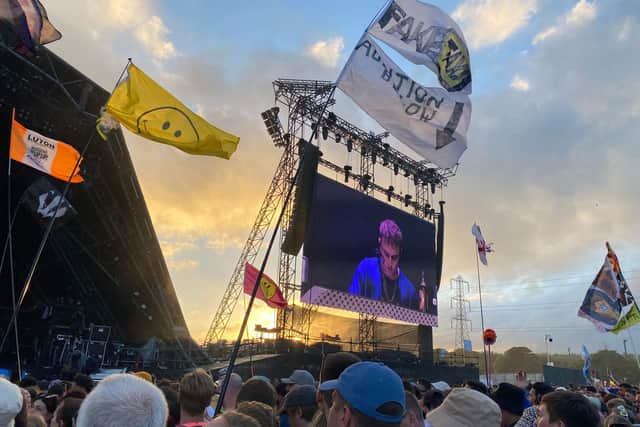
pixel 11 402
pixel 66 413
pixel 35 420
pixel 29 381
pixel 46 406
pixel 431 400
pixel 145 376
pixel 196 390
pixel 256 390
pixel 334 364
pixel 414 417
pixel 422 385
pixel 233 419
pixel 33 394
pixel 616 421
pixel 464 407
pixel 260 412
pixel 531 414
pixel 299 377
pixel 231 395
pixel 366 394
pixel 477 386
pixel 300 405
pixel 58 389
pixel 82 382
pixel 511 400
pixel 380 278
pixel 567 409
pixel 171 397
pixel 123 399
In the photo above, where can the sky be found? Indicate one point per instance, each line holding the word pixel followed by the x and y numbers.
pixel 550 172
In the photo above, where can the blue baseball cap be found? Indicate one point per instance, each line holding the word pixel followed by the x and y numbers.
pixel 366 386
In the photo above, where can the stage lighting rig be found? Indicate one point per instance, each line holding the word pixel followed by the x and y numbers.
pixel 349 145
pixel 385 155
pixel 389 192
pixel 365 181
pixel 396 169
pixel 407 199
pixel 273 125
pixel 347 171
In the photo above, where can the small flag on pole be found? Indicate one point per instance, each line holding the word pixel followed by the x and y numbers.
pixel 601 304
pixel 42 199
pixel 147 109
pixel 587 364
pixel 629 313
pixel 45 154
pixel 268 291
pixel 483 247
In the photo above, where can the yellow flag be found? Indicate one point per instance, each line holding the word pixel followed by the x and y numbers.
pixel 145 108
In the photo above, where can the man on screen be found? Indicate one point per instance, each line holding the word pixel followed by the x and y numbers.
pixel 380 277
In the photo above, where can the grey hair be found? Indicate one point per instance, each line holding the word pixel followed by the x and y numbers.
pixel 123 397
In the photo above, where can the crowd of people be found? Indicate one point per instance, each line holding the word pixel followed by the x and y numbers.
pixel 348 393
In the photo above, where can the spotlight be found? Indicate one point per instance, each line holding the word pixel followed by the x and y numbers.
pixel 407 173
pixel 338 138
pixel 433 188
pixel 365 181
pixel 385 155
pixel 325 132
pixel 373 156
pixel 415 180
pixel 407 200
pixel 389 193
pixel 349 145
pixel 347 170
pixel 332 118
pixel 396 169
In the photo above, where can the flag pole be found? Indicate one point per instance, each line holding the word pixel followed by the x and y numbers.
pixel 9 243
pixel 43 242
pixel 484 347
pixel 236 347
pixel 633 345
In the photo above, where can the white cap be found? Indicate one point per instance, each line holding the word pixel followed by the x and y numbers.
pixel 10 402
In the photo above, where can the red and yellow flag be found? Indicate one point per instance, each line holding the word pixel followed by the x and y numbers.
pixel 44 154
pixel 268 291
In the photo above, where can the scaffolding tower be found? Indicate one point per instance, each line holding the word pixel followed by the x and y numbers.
pixel 460 322
pixel 303 102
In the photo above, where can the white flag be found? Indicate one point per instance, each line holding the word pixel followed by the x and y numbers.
pixel 426 35
pixel 483 247
pixel 431 121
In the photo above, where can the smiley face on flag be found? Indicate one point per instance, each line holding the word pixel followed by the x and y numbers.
pixel 268 288
pixel 168 123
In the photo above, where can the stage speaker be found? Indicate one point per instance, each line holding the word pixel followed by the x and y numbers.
pixel 425 344
pixel 302 203
pixel 99 333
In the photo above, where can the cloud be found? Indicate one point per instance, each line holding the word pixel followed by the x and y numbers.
pixel 582 13
pixel 153 35
pixel 520 84
pixel 327 52
pixel 489 22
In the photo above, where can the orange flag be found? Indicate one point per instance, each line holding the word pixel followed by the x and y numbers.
pixel 44 154
pixel 268 291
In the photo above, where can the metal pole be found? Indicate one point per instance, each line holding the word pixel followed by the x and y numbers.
pixel 9 243
pixel 546 340
pixel 484 347
pixel 43 242
pixel 236 347
pixel 633 346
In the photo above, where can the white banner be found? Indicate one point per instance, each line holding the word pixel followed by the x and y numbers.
pixel 432 121
pixel 426 35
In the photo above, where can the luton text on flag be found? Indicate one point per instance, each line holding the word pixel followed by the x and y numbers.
pixel 601 304
pixel 268 291
pixel 483 247
pixel 425 35
pixel 147 109
pixel 44 154
pixel 431 121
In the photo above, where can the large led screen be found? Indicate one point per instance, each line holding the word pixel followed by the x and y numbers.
pixel 363 255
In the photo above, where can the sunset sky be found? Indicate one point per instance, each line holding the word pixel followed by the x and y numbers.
pixel 551 171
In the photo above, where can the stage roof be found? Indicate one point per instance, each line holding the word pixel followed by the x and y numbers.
pixel 108 256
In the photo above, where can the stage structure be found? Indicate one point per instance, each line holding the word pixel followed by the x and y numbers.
pixel 302 101
pixel 102 290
